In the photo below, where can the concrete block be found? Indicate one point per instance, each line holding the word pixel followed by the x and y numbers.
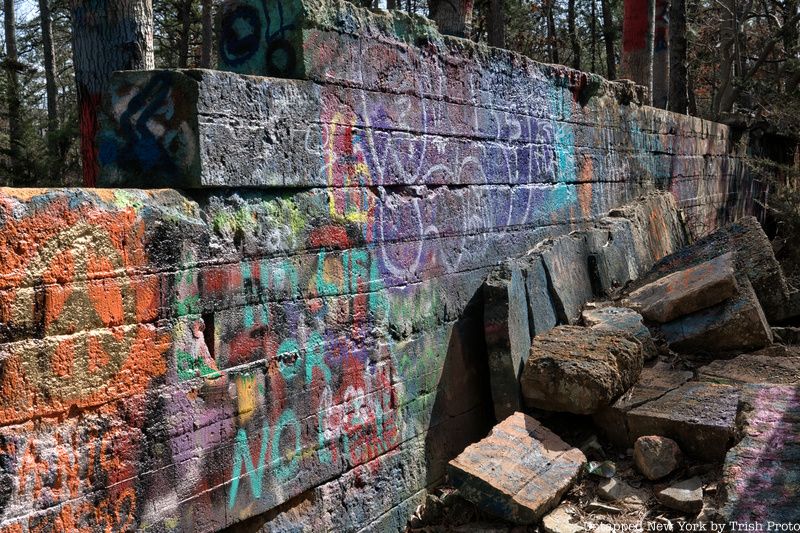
pixel 686 291
pixel 519 472
pixel 737 324
pixel 508 340
pixel 700 417
pixel 579 370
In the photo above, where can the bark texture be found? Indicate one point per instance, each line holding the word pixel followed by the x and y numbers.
pixel 51 88
pixel 208 34
pixel 453 17
pixel 12 91
pixel 678 70
pixel 661 45
pixel 637 42
pixel 609 37
pixel 497 24
pixel 107 35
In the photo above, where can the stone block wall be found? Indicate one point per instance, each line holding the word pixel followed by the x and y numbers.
pixel 298 334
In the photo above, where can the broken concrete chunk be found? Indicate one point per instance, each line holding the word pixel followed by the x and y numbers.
pixel 579 370
pixel 519 472
pixel 658 230
pixel 566 260
pixel 738 324
pixel 755 260
pixel 653 383
pixel 560 521
pixel 760 476
pixel 757 367
pixel 624 320
pixel 700 417
pixel 685 496
pixel 541 308
pixel 616 490
pixel 686 291
pixel 508 340
pixel 655 456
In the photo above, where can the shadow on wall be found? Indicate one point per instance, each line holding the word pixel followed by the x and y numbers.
pixel 462 409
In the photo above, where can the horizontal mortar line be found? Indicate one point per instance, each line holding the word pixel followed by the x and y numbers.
pixel 443 96
pixel 442 133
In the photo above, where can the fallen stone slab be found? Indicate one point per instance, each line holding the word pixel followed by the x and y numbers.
pixel 519 472
pixel 566 260
pixel 760 475
pixel 653 383
pixel 762 366
pixel 699 416
pixel 738 324
pixel 507 333
pixel 621 319
pixel 685 496
pixel 755 260
pixel 686 291
pixel 542 314
pixel 656 457
pixel 579 370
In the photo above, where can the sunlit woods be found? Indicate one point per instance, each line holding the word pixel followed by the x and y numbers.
pixel 742 59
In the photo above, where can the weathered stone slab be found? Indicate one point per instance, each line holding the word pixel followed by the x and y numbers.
pixel 760 476
pixel 757 367
pixel 686 291
pixel 700 417
pixel 754 259
pixel 737 324
pixel 508 339
pixel 579 370
pixel 653 383
pixel 541 308
pixel 621 319
pixel 566 259
pixel 519 472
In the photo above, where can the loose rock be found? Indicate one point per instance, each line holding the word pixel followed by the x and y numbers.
pixel 686 496
pixel 655 456
pixel 686 291
pixel 737 324
pixel 519 472
pixel 621 319
pixel 615 490
pixel 579 370
pixel 560 521
pixel 700 417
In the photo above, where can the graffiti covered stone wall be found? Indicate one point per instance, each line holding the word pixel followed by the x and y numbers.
pixel 298 332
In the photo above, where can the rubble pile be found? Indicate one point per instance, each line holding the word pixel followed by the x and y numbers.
pixel 672 359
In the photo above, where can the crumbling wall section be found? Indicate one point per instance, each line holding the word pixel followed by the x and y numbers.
pixel 297 332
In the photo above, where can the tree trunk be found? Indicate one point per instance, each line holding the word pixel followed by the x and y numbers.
pixel 726 51
pixel 637 42
pixel 391 4
pixel 12 91
pixel 106 36
pixel 184 16
pixel 678 70
pixel 551 32
pixel 208 34
pixel 594 35
pixel 661 45
pixel 51 88
pixel 497 23
pixel 573 35
pixel 609 37
pixel 453 17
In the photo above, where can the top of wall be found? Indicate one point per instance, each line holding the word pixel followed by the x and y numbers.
pixel 333 41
